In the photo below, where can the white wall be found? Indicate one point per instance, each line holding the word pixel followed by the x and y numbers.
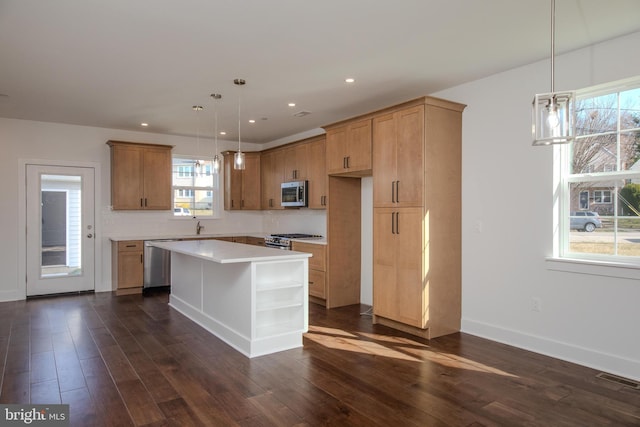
pixel 507 194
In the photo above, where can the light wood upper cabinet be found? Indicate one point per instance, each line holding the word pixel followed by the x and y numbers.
pixel 398 158
pixel 140 176
pixel 296 162
pixel 349 149
pixel 317 175
pixel 242 187
pixel 270 179
pixel 303 160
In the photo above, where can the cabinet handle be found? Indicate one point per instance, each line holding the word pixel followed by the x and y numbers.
pixel 141 259
pixel 141 204
pixel 310 282
pixel 232 203
pixel 397 191
pixel 145 202
pixel 393 192
pixel 348 166
pixel 130 246
pixel 344 163
pixel 397 222
pixel 393 223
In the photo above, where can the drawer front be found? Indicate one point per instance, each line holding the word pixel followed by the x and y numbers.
pixel 130 245
pixel 318 260
pixel 316 284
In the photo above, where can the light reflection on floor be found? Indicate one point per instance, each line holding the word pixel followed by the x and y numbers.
pixel 396 347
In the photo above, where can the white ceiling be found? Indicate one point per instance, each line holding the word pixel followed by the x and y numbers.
pixel 117 63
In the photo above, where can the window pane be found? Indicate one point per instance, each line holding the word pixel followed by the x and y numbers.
pixel 61 252
pixel 194 187
pixel 630 109
pixel 597 115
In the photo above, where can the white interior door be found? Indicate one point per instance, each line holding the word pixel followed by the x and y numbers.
pixel 60 235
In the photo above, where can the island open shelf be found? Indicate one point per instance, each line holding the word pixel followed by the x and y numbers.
pixel 253 298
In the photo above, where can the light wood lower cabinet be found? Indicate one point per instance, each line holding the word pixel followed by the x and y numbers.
pixel 317 269
pixel 398 265
pixel 127 262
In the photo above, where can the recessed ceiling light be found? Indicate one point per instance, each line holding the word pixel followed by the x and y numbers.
pixel 223 133
pixel 252 121
pixel 292 104
pixel 144 125
pixel 349 80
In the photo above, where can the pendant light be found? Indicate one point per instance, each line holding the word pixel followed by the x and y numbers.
pixel 216 158
pixel 239 158
pixel 553 115
pixel 198 165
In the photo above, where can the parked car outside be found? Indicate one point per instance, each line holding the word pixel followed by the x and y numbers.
pixel 584 221
pixel 181 212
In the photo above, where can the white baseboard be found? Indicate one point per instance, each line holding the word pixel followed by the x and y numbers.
pixel 12 295
pixel 605 362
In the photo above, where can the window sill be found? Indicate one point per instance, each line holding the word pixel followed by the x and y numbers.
pixel 595 268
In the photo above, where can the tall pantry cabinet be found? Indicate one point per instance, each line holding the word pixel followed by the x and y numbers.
pixel 417 217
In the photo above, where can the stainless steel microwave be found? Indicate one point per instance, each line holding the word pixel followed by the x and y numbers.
pixel 294 194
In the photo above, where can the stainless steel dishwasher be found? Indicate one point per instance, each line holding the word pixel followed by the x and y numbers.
pixel 157 266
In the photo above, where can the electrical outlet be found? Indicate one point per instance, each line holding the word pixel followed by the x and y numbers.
pixel 535 304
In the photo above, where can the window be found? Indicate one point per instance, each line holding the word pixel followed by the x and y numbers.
pixel 195 188
pixel 602 196
pixel 599 211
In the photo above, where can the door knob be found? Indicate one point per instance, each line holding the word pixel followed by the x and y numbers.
pixel 89 235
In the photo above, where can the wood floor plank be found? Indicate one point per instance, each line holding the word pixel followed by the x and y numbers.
pixel 45 392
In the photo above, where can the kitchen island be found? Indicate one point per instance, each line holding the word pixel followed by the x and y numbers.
pixel 253 298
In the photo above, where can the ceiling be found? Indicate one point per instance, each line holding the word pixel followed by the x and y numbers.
pixel 118 63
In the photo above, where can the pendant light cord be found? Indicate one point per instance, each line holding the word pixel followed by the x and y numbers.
pixel 553 43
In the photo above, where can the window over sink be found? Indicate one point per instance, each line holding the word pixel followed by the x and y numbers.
pixel 196 189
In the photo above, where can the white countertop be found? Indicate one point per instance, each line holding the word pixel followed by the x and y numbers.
pixel 315 240
pixel 227 252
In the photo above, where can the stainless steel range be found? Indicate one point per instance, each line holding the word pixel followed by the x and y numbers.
pixel 283 241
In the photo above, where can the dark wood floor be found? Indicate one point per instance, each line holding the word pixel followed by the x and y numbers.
pixel 131 360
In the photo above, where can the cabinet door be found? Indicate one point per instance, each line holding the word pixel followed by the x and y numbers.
pixel 410 157
pixel 359 146
pixel 336 150
pixel 232 185
pixel 251 182
pixel 385 294
pixel 398 279
pixel 295 165
pixel 317 174
pixel 411 284
pixel 267 180
pixel 384 160
pixel 130 269
pixel 157 179
pixel 127 186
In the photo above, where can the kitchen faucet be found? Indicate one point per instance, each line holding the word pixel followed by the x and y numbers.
pixel 199 227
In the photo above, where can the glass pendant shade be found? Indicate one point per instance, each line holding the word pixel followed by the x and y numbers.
pixel 216 164
pixel 238 160
pixel 553 120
